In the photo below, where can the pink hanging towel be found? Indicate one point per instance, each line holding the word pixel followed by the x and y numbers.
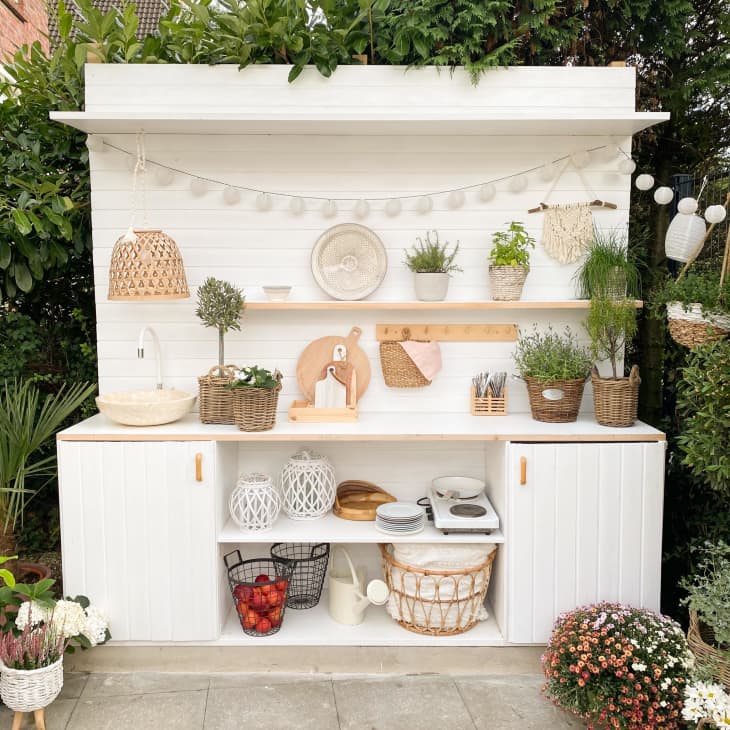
pixel 426 356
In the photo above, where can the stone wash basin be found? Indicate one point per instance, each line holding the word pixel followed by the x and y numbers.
pixel 145 407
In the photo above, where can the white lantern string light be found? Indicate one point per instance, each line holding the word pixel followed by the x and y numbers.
pixel 663 195
pixel 644 182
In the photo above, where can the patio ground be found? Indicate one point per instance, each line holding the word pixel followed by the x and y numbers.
pixel 142 701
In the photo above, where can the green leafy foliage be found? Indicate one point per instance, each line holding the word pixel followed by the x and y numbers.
pixel 256 377
pixel 703 405
pixel 609 267
pixel 611 323
pixel 220 305
pixel 701 286
pixel 511 247
pixel 549 356
pixel 432 256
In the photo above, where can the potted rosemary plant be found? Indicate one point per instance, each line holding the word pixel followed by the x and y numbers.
pixel 255 397
pixel 220 305
pixel 432 263
pixel 510 261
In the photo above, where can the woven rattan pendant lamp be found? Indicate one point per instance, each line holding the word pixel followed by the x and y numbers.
pixel 146 263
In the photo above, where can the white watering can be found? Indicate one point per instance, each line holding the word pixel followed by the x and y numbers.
pixel 347 600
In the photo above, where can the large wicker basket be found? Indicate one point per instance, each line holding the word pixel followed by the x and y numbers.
pixel 215 400
pixel 564 403
pixel 701 640
pixel 254 409
pixel 399 371
pixel 436 602
pixel 616 402
pixel 691 327
pixel 507 281
pixel 27 690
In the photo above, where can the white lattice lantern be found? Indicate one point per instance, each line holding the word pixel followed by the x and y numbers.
pixel 255 503
pixel 308 486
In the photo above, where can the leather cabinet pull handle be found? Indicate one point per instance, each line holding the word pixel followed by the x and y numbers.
pixel 523 470
pixel 198 467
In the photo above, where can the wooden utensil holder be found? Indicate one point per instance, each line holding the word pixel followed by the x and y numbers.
pixel 489 405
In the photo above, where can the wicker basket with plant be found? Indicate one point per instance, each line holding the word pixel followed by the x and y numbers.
pixel 608 270
pixel 510 261
pixel 554 368
pixel 255 393
pixel 220 305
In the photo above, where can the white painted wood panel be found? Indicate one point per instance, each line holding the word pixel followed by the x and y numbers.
pixel 138 536
pixel 585 527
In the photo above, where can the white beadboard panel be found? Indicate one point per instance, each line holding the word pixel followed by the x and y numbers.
pixel 585 527
pixel 138 531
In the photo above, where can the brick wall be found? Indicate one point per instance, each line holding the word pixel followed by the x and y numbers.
pixel 32 25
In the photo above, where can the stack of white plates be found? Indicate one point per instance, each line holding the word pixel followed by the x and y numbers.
pixel 400 518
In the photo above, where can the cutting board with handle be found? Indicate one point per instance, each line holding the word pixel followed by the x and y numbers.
pixel 316 356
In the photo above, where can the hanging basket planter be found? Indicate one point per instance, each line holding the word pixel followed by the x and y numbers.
pixel 616 401
pixel 690 327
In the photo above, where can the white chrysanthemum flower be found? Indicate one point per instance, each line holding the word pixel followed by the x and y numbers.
pixel 96 625
pixel 69 618
pixel 33 611
pixel 638 667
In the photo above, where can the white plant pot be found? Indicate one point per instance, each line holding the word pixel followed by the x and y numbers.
pixel 27 690
pixel 431 287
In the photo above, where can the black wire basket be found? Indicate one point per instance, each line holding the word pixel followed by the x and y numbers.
pixel 309 567
pixel 260 589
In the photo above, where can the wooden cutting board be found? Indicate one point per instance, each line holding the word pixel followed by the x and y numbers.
pixel 317 354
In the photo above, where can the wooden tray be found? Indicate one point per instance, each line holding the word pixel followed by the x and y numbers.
pixel 302 411
pixel 358 500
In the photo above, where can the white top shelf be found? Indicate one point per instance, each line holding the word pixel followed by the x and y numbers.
pixel 335 305
pixel 475 122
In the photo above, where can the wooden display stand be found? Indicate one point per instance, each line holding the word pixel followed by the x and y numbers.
pixel 302 411
pixel 38 715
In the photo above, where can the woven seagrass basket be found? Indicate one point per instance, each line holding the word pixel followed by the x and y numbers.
pixel 507 281
pixel 701 641
pixel 560 409
pixel 215 401
pixel 616 402
pixel 691 328
pixel 254 409
pixel 399 371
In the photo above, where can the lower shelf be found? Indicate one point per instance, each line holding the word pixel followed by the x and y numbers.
pixel 314 627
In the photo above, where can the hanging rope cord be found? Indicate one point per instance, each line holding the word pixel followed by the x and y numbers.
pixel 140 168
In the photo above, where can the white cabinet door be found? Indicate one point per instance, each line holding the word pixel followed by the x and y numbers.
pixel 583 525
pixel 138 536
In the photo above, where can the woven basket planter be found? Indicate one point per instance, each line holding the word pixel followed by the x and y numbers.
pixel 215 400
pixel 27 690
pixel 507 281
pixel 701 640
pixel 254 409
pixel 399 371
pixel 616 402
pixel 555 401
pixel 308 486
pixel 255 503
pixel 691 327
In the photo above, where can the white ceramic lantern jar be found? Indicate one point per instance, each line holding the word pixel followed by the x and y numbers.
pixel 684 236
pixel 255 502
pixel 308 486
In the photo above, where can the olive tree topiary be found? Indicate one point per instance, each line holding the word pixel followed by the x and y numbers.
pixel 220 305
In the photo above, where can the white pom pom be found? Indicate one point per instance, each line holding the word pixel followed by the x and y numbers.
pixel 687 206
pixel 715 214
pixel 456 199
pixel 263 202
pixel 296 206
pixel 362 208
pixel 231 196
pixel 392 207
pixel 198 187
pixel 580 158
pixel 644 182
pixel 627 166
pixel 663 195
pixel 329 208
pixel 518 184
pixel 163 175
pixel 424 205
pixel 95 143
pixel 547 172
pixel 487 192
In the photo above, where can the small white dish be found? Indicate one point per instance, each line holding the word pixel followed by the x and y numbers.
pixel 459 487
pixel 277 293
pixel 400 511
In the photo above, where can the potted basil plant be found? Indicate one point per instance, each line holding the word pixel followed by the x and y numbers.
pixel 510 261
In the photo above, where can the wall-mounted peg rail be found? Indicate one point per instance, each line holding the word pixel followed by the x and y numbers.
pixel 447 332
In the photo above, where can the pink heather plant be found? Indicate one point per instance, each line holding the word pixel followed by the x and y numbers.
pixel 618 667
pixel 35 647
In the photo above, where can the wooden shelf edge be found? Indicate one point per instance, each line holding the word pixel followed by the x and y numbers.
pixel 426 306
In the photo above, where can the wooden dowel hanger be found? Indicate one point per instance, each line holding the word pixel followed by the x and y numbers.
pixel 592 203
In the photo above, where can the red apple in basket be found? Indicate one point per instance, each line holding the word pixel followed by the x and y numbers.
pixel 258 600
pixel 275 617
pixel 263 625
pixel 250 619
pixel 276 597
pixel 262 578
pixel 282 584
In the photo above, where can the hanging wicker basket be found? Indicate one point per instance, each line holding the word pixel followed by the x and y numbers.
pixel 399 371
pixel 507 281
pixel 27 690
pixel 555 401
pixel 690 327
pixel 701 640
pixel 616 402
pixel 215 400
pixel 254 409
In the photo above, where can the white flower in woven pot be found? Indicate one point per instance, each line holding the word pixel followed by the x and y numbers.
pixel 308 486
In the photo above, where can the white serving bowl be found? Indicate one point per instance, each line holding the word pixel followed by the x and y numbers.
pixel 459 487
pixel 276 293
pixel 145 407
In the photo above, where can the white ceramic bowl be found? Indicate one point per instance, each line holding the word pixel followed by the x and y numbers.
pixel 459 487
pixel 276 293
pixel 145 407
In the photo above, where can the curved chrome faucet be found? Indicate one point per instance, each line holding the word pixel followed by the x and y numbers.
pixel 140 351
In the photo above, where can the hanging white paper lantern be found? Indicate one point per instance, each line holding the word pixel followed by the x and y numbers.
pixel 487 192
pixel 456 199
pixel 548 171
pixel 392 207
pixel 329 208
pixel 518 184
pixel 687 206
pixel 644 182
pixel 95 143
pixel 715 213
pixel 296 206
pixel 627 166
pixel 663 195
pixel 231 196
pixel 362 208
pixel 684 236
pixel 424 205
pixel 163 175
pixel 263 202
pixel 198 187
pixel 580 158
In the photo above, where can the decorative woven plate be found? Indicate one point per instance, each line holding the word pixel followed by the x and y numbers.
pixel 349 261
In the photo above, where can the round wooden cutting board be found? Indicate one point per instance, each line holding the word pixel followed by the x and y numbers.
pixel 317 354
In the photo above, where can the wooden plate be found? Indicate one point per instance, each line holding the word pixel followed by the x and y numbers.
pixel 317 354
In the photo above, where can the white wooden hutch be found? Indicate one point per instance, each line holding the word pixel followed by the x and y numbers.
pixel 144 538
